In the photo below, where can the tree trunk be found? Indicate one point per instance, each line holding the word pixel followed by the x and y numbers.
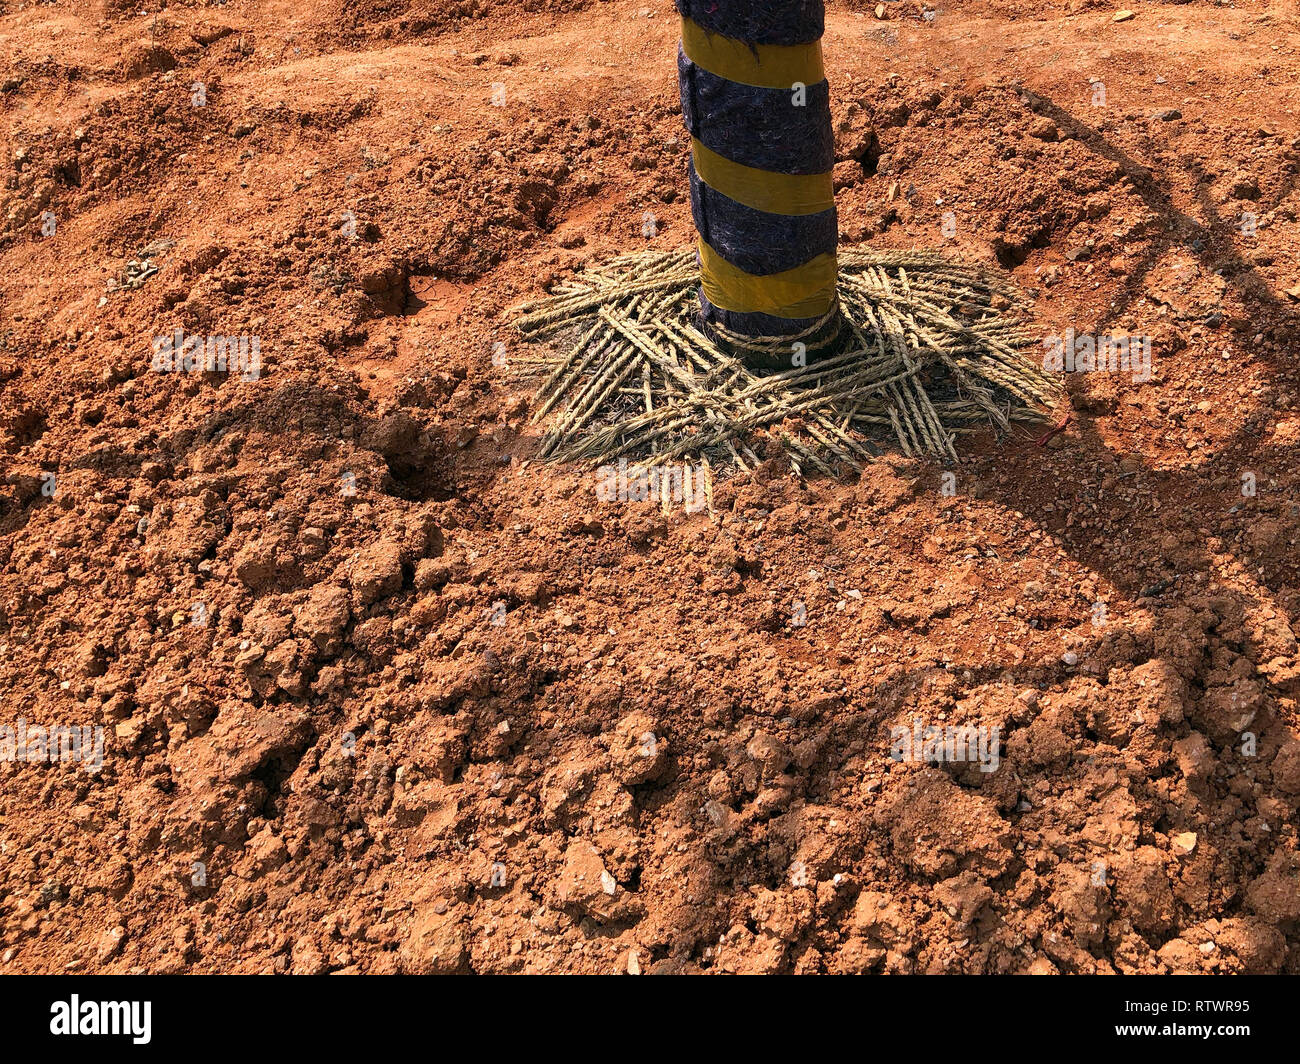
pixel 757 106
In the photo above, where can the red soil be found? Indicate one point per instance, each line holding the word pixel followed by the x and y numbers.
pixel 648 764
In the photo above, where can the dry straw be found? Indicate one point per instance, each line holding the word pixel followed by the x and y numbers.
pixel 929 349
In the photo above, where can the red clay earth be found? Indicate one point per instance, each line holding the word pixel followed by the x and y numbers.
pixel 329 749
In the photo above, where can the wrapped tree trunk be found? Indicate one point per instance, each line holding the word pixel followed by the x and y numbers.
pixel 757 106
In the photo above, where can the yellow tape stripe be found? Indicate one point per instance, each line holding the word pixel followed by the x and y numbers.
pixel 807 291
pixel 767 66
pixel 764 190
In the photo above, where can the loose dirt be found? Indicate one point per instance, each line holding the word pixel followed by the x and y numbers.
pixel 378 693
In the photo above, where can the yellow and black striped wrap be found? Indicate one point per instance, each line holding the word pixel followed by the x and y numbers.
pixel 756 103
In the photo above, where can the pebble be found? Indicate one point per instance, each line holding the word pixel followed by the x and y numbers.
pixel 1043 129
pixel 1070 657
